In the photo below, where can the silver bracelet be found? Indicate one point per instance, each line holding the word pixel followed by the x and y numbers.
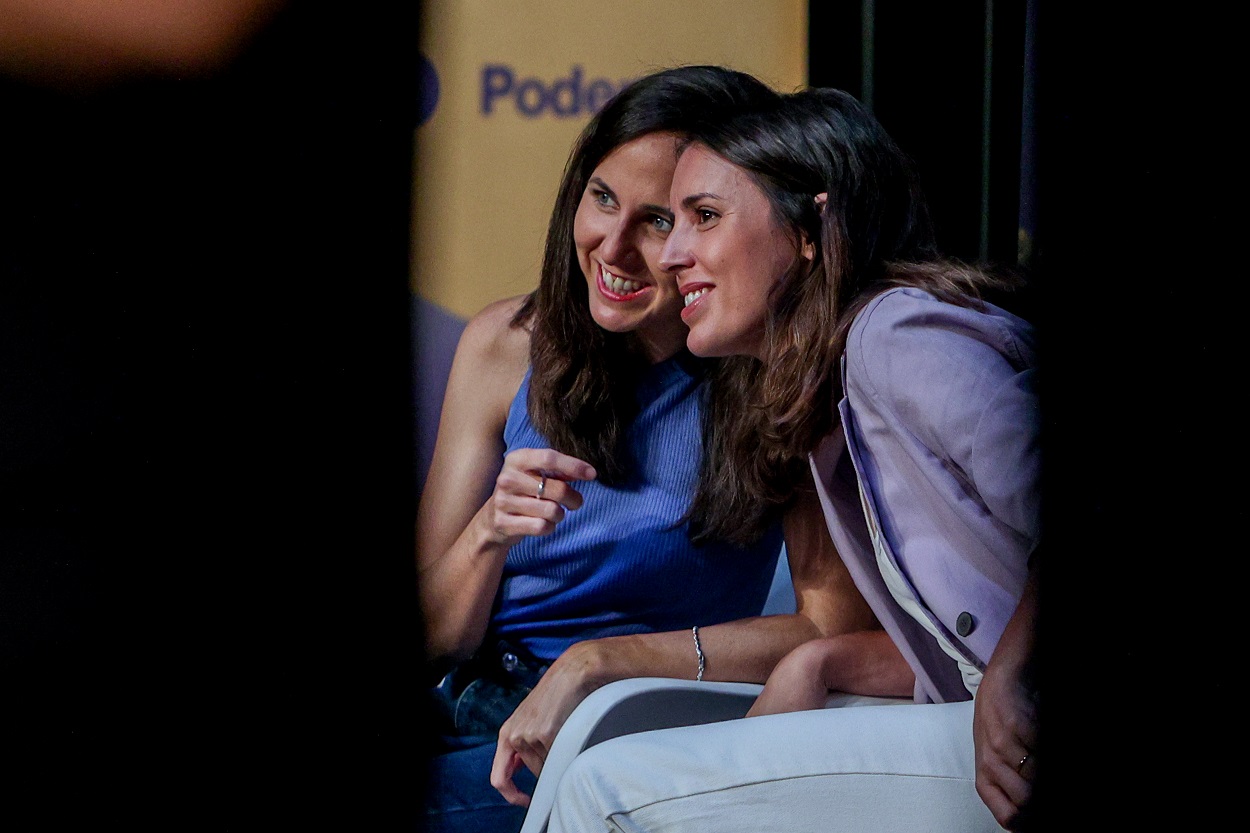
pixel 698 649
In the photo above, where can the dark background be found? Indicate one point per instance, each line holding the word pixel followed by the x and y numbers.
pixel 207 615
pixel 1112 140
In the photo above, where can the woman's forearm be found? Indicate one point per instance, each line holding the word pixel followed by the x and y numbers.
pixel 458 589
pixel 868 663
pixel 864 662
pixel 744 650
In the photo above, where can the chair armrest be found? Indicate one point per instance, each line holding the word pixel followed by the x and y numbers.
pixel 627 706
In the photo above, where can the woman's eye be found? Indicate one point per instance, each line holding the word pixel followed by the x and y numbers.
pixel 602 197
pixel 706 215
pixel 662 224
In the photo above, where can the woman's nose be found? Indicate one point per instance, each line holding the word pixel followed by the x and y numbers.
pixel 618 247
pixel 676 252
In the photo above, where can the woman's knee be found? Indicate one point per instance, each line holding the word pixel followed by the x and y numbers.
pixel 588 788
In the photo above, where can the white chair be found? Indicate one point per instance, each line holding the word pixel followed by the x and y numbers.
pixel 645 703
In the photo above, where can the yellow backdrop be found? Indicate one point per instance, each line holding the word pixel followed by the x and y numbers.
pixel 516 82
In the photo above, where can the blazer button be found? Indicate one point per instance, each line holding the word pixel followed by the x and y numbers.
pixel 965 625
pixel 510 662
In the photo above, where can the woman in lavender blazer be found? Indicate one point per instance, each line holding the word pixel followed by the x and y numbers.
pixel 803 243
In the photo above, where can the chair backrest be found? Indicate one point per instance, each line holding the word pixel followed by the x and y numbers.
pixel 781 594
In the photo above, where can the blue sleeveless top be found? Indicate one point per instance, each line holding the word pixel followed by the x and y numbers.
pixel 622 564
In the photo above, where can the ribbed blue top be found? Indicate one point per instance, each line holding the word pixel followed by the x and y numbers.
pixel 621 564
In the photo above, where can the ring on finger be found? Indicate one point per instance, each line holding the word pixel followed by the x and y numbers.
pixel 1023 761
pixel 542 487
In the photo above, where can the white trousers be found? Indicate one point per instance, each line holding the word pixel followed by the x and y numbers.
pixel 867 769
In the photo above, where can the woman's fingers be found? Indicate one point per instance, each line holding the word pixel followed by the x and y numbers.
pixel 532 491
pixel 1005 729
pixel 516 748
pixel 522 490
pixel 550 461
pixel 504 769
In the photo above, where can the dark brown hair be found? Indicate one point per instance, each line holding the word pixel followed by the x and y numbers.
pixel 582 388
pixel 873 233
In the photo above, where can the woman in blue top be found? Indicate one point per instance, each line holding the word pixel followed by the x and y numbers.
pixel 570 532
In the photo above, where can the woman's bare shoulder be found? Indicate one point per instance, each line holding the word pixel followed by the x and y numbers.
pixel 493 352
pixel 491 335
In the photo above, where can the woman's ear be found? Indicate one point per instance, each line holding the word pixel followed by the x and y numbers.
pixel 809 250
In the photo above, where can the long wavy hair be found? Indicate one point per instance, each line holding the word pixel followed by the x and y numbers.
pixel 582 388
pixel 874 232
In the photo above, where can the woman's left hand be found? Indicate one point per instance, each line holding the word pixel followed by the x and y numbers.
pixel 1004 722
pixel 1005 732
pixel 526 737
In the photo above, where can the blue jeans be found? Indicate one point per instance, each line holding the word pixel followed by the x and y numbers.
pixel 459 797
pixel 470 705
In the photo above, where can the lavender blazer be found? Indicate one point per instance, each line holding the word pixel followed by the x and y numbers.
pixel 940 426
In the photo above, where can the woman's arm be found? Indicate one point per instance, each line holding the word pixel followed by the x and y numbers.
pixel 1004 724
pixel 866 662
pixel 472 509
pixel 746 650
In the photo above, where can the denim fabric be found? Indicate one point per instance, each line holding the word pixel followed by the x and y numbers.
pixel 482 707
pixel 459 797
pixel 469 705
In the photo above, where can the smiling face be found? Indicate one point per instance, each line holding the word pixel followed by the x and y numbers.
pixel 621 224
pixel 726 251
